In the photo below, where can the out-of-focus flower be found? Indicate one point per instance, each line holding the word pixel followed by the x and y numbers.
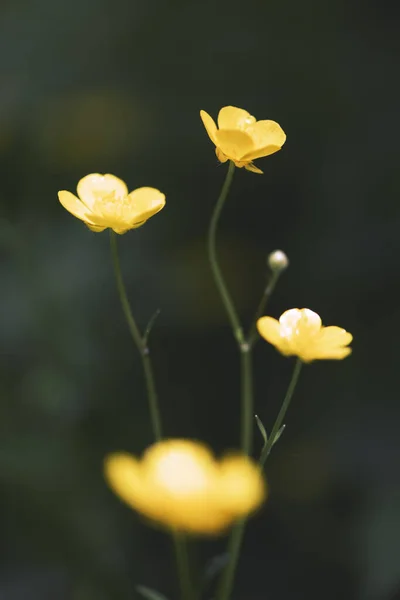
pixel 300 332
pixel 104 201
pixel 241 138
pixel 179 484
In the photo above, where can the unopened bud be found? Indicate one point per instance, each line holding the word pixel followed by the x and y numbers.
pixel 278 261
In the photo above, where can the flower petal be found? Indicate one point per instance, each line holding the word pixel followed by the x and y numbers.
pixel 95 187
pixel 251 167
pixel 234 143
pixel 334 336
pixel 220 155
pixel 268 137
pixel 269 329
pixel 96 228
pixel 231 117
pixel 209 124
pixel 300 322
pixel 242 488
pixel 145 202
pixel 123 474
pixel 73 205
pixel 324 353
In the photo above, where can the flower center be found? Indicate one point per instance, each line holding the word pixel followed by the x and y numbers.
pixel 181 473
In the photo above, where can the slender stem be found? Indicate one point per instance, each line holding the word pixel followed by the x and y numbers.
pixel 247 398
pixel 285 405
pixel 183 566
pixel 269 288
pixel 139 342
pixel 212 253
pixel 228 576
pixel 236 537
pixel 152 395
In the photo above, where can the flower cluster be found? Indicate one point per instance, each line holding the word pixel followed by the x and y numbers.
pixel 179 484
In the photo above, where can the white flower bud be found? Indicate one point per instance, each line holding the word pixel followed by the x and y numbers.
pixel 278 261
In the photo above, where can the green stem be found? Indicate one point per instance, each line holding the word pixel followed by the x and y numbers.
pixel 183 566
pixel 279 420
pixel 212 253
pixel 139 342
pixel 236 537
pixel 246 379
pixel 247 398
pixel 269 288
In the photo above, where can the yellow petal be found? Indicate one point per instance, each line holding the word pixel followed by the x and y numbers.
pixel 209 124
pixel 335 336
pixel 145 202
pixel 324 353
pixel 251 167
pixel 330 343
pixel 123 474
pixel 268 137
pixel 269 329
pixel 220 155
pixel 96 228
pixel 231 117
pixel 233 143
pixel 242 488
pixel 299 322
pixel 76 207
pixel 96 187
pixel 179 467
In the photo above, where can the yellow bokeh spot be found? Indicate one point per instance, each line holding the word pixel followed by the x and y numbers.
pixel 180 485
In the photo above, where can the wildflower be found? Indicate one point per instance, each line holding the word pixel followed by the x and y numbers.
pixel 179 484
pixel 104 201
pixel 241 138
pixel 300 332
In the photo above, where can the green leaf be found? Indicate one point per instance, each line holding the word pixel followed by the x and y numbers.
pixel 278 435
pixel 150 325
pixel 262 430
pixel 149 594
pixel 215 566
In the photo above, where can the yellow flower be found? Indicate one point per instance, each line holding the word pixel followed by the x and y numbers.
pixel 179 484
pixel 300 332
pixel 104 201
pixel 241 138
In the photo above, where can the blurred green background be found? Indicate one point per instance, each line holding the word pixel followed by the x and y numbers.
pixel 98 86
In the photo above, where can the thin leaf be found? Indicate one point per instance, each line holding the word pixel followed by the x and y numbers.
pixel 214 567
pixel 149 594
pixel 262 430
pixel 278 435
pixel 150 325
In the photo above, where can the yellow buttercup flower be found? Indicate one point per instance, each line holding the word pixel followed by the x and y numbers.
pixel 299 332
pixel 104 201
pixel 179 484
pixel 241 138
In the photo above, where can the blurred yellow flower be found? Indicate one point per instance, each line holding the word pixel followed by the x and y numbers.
pixel 179 484
pixel 104 201
pixel 241 138
pixel 300 332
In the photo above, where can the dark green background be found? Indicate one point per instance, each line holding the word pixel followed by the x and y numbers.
pixel 100 86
